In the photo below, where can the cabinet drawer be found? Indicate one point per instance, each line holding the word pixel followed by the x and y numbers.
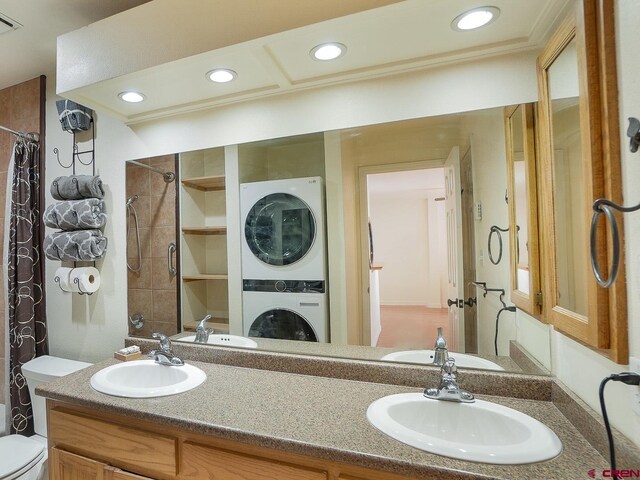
pixel 200 462
pixel 67 466
pixel 142 452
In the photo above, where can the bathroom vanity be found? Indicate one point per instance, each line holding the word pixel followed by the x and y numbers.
pixel 256 424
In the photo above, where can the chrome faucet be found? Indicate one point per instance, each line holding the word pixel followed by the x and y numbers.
pixel 448 389
pixel 441 353
pixel 165 356
pixel 202 332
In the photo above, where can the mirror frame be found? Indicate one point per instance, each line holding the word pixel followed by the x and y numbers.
pixel 528 302
pixel 592 24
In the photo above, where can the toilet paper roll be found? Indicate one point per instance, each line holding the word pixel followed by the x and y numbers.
pixel 85 279
pixel 63 275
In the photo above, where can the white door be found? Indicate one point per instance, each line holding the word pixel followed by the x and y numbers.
pixel 455 274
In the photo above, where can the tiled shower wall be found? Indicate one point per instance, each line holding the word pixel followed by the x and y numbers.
pixel 153 291
pixel 21 109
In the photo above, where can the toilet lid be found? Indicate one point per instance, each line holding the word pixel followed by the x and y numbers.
pixel 17 453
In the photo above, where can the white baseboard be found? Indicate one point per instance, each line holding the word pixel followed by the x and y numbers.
pixel 409 304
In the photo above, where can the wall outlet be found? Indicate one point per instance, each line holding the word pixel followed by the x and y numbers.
pixel 634 366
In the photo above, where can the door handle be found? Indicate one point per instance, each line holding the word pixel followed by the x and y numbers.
pixel 458 302
pixel 471 301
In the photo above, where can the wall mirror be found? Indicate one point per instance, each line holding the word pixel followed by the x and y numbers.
pixel 580 162
pixel 523 207
pixel 351 163
pixel 245 214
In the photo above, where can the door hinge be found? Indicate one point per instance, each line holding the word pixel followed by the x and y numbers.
pixel 538 299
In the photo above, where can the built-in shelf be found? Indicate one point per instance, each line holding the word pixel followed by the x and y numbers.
pixel 206 184
pixel 219 325
pixel 204 230
pixel 193 278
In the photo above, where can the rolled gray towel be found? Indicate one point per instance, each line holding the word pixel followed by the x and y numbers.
pixel 78 246
pixel 76 214
pixel 77 187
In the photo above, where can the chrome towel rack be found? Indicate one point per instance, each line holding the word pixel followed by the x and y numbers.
pixel 606 207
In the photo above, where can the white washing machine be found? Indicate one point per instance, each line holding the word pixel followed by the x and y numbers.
pixel 284 229
pixel 285 309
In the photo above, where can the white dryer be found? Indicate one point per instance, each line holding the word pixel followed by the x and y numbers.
pixel 284 229
pixel 289 310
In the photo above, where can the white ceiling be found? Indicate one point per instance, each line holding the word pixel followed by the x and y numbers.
pixel 30 51
pixel 403 36
pixel 408 35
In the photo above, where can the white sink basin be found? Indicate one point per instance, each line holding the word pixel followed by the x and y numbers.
pixel 225 340
pixel 145 378
pixel 426 357
pixel 479 432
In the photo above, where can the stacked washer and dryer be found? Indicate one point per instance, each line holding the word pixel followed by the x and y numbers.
pixel 284 259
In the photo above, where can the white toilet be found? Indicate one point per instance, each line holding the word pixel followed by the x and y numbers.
pixel 25 458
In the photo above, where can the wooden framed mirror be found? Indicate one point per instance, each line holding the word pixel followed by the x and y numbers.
pixel 522 188
pixel 579 163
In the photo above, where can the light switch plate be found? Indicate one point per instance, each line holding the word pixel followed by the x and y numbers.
pixel 478 211
pixel 634 366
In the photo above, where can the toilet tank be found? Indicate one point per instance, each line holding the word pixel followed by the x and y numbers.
pixel 41 370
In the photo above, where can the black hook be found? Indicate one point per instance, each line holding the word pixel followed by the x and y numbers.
pixel 633 132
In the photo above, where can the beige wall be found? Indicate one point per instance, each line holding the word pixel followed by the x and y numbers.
pixel 486 133
pixel 402 229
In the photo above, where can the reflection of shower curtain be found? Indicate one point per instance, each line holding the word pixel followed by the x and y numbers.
pixel 25 268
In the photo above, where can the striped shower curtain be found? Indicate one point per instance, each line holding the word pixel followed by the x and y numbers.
pixel 25 272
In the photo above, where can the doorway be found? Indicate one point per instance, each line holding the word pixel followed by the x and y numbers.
pixel 407 247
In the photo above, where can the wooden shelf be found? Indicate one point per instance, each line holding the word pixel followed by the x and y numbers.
pixel 206 184
pixel 204 230
pixel 193 278
pixel 220 325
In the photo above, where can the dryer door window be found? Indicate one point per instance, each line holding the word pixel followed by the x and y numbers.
pixel 280 229
pixel 283 324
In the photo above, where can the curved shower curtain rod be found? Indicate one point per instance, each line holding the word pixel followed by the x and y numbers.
pixel 168 176
pixel 32 136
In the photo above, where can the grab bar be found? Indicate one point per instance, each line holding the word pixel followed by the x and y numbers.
pixel 170 251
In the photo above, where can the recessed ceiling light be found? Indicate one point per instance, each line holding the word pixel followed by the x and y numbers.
pixel 328 51
pixel 221 75
pixel 131 97
pixel 476 18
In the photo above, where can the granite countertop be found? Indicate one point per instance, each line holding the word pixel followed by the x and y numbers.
pixel 322 417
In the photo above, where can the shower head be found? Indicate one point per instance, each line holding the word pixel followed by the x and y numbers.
pixel 132 199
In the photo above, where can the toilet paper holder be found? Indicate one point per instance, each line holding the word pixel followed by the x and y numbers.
pixel 75 281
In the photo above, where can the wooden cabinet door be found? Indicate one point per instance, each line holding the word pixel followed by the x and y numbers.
pixel 112 473
pixel 207 463
pixel 68 466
